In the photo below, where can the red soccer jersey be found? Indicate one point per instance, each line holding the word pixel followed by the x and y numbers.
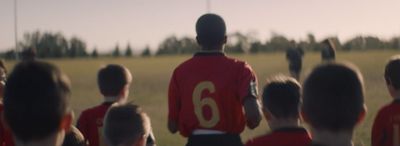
pixel 90 123
pixel 5 135
pixel 386 127
pixel 207 92
pixel 283 137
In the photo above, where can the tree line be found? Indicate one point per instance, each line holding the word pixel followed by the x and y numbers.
pixel 56 45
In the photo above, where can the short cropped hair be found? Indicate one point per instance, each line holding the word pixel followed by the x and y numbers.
pixel 125 125
pixel 211 30
pixel 392 72
pixel 112 78
pixel 333 97
pixel 36 99
pixel 281 97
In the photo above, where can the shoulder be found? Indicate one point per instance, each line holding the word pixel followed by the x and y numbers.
pixel 388 107
pixel 90 111
pixel 183 65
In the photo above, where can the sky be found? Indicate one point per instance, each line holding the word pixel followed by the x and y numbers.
pixel 105 23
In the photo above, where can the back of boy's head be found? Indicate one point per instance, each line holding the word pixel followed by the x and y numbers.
pixel 36 100
pixel 112 79
pixel 125 125
pixel 334 97
pixel 281 97
pixel 392 72
pixel 211 30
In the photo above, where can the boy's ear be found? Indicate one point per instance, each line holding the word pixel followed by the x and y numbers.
pixel 66 121
pixel 303 116
pixel 267 114
pixel 141 142
pixel 362 114
pixel 225 39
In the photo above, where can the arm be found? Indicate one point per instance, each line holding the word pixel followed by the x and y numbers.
pixel 248 93
pixel 252 111
pixel 173 105
pixel 378 133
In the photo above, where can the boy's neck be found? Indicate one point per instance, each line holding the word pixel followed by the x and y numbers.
pixel 327 138
pixel 111 98
pixel 53 140
pixel 278 124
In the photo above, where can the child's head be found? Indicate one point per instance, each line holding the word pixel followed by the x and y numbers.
pixel 36 101
pixel 211 31
pixel 281 98
pixel 126 125
pixel 114 81
pixel 333 97
pixel 392 75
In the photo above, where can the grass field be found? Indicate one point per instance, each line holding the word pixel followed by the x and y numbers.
pixel 151 78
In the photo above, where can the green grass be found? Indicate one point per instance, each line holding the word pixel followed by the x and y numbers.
pixel 151 78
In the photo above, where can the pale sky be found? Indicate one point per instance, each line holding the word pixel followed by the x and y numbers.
pixel 104 23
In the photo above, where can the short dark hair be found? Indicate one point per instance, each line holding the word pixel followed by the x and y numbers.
pixel 392 72
pixel 333 96
pixel 211 30
pixel 125 124
pixel 36 99
pixel 112 79
pixel 74 137
pixel 281 96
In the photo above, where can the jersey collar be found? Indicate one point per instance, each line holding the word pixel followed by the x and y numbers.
pixel 209 53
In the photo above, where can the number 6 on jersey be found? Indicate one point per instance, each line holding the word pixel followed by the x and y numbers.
pixel 199 103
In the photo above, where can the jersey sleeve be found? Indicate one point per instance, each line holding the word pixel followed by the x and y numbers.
pixel 378 131
pixel 173 99
pixel 248 85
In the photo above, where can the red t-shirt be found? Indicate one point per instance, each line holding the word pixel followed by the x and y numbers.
pixel 386 127
pixel 90 123
pixel 283 137
pixel 207 92
pixel 5 135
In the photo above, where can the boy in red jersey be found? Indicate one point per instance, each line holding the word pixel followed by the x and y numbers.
pixel 386 127
pixel 126 125
pixel 114 82
pixel 207 93
pixel 333 103
pixel 281 102
pixel 36 104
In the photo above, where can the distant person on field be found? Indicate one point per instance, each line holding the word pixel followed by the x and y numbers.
pixel 281 105
pixel 36 104
pixel 114 82
pixel 5 134
pixel 211 96
pixel 295 59
pixel 333 103
pixel 126 125
pixel 328 52
pixel 386 127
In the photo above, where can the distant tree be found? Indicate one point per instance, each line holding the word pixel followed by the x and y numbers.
pixel 173 45
pixel 256 47
pixel 94 53
pixel 77 48
pixel 278 43
pixel 53 45
pixel 128 51
pixel 146 52
pixel 116 52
